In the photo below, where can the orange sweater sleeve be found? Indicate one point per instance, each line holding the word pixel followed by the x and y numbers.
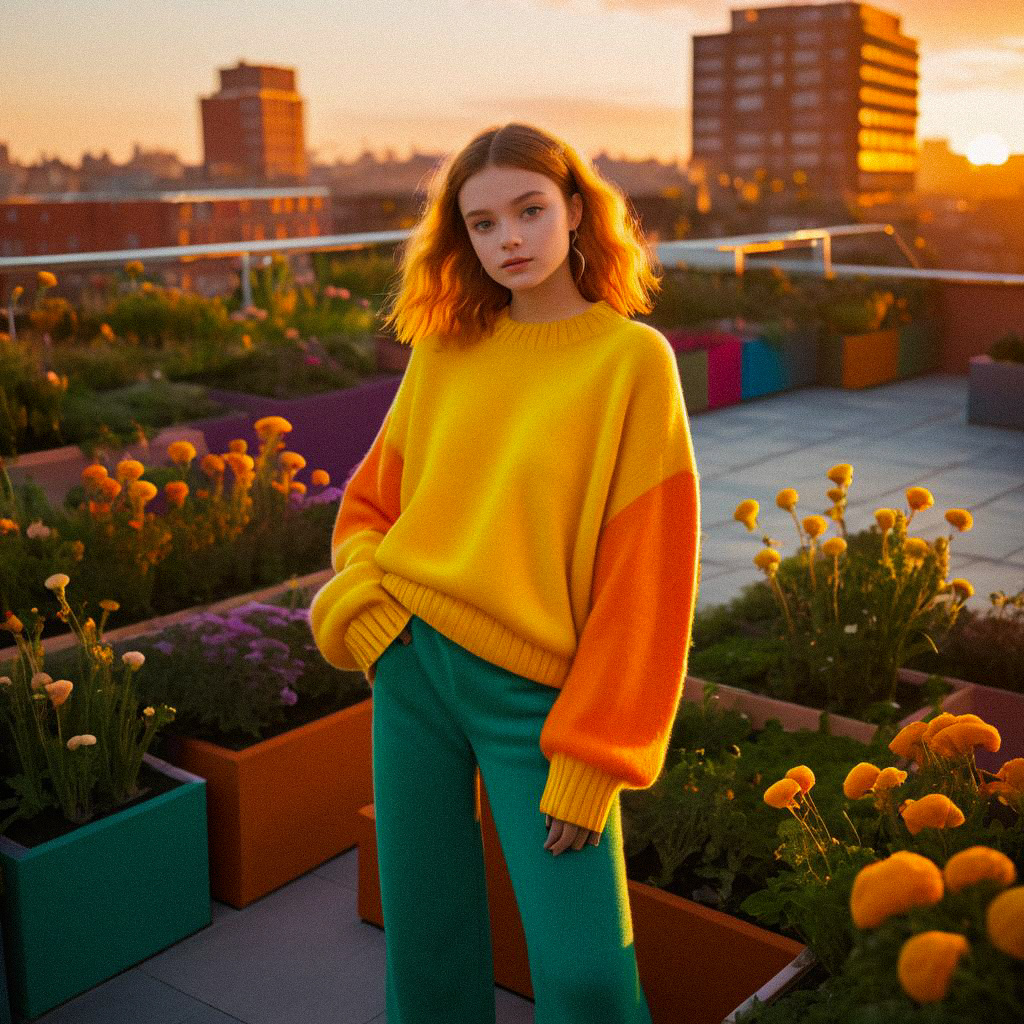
pixel 353 619
pixel 610 725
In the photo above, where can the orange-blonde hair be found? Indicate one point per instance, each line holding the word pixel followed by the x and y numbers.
pixel 444 290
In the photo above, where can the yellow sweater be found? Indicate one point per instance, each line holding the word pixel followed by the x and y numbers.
pixel 535 498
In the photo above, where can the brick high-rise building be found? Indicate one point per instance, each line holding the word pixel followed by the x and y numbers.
pixel 819 93
pixel 253 126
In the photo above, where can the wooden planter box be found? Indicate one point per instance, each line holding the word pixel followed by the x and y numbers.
pixel 696 964
pixel 82 907
pixel 855 361
pixel 994 392
pixel 283 806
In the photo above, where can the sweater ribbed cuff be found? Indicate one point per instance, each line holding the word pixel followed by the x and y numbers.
pixel 578 792
pixel 373 630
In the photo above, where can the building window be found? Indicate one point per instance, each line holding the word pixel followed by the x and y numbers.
pixel 750 82
pixel 748 161
pixel 747 139
pixel 778 58
pixel 72 243
pixel 709 85
pixel 44 217
pixel 812 38
pixel 778 139
pixel 778 79
pixel 839 53
pixel 806 98
pixel 809 76
pixel 705 45
pixel 131 241
pixel 751 101
pixel 806 138
pixel 707 104
pixel 748 62
pixel 806 158
pixel 705 65
pixel 303 204
pixel 12 216
pixel 805 56
pixel 707 124
pixel 318 204
pixel 705 143
pixel 183 236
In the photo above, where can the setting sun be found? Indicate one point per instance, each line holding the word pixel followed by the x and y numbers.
pixel 988 149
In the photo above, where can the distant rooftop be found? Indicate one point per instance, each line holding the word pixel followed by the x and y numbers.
pixel 175 196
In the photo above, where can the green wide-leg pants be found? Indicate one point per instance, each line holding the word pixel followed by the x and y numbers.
pixel 438 712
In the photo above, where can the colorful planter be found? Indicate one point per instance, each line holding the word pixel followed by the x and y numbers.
pixel 5 997
pixel 779 363
pixel 994 391
pixel 696 964
pixel 693 374
pixel 283 806
pixel 855 361
pixel 919 350
pixel 725 372
pixel 82 907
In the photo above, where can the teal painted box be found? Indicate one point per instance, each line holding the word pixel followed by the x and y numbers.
pixel 88 904
pixel 778 360
pixel 919 348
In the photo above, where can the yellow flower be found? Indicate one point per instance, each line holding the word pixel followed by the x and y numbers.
pixel 59 691
pixel 45 279
pixel 269 426
pixel 919 498
pixel 212 465
pixel 916 548
pixel 109 488
pixel 57 582
pixel 1004 922
pixel 142 491
pixel 129 470
pixel 893 886
pixel 240 464
pixel 298 487
pixel 1012 774
pixel 291 461
pixel 935 810
pixel 835 494
pixel 962 587
pixel 767 560
pixel 860 778
pixel 176 492
pixel 8 526
pixel 834 547
pixel 41 679
pixel 907 742
pixel 133 268
pixel 85 740
pixel 108 605
pixel 975 864
pixel 802 775
pixel 11 623
pixel 107 331
pixel 787 498
pixel 962 737
pixel 937 724
pixel 960 518
pixel 94 474
pixel 181 452
pixel 782 794
pixel 16 293
pixel 927 962
pixel 746 513
pixel 133 659
pixel 889 778
pixel 841 474
pixel 148 712
pixel 238 445
pixel 815 525
pixel 320 478
pixel 886 518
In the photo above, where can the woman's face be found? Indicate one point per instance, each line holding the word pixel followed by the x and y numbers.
pixel 511 213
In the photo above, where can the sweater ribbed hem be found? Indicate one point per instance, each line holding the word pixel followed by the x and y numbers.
pixel 554 333
pixel 477 632
pixel 373 630
pixel 578 792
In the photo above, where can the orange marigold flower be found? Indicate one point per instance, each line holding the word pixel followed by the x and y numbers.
pixel 291 461
pixel 45 279
pixel 1012 774
pixel 815 525
pixel 834 547
pixel 919 498
pixel 212 465
pixel 916 547
pixel 802 775
pixel 1004 922
pixel 269 426
pixel 835 494
pixel 320 478
pixel 59 691
pixel 8 526
pixel 962 737
pixel 935 810
pixel 782 794
pixel 94 474
pixel 927 962
pixel 937 724
pixel 181 452
pixel 238 445
pixel 962 587
pixel 142 491
pixel 129 470
pixel 860 778
pixel 239 463
pixel 907 742
pixel 841 474
pixel 787 498
pixel 746 513
pixel 109 488
pixel 767 560
pixel 176 492
pixel 889 778
pixel 975 864
pixel 298 487
pixel 886 518
pixel 959 518
pixel 893 886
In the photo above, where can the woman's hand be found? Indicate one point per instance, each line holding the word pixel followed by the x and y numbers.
pixel 564 835
pixel 405 637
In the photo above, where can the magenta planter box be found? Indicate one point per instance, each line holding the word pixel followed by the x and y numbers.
pixel 725 372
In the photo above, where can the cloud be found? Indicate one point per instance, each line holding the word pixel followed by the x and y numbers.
pixel 998 65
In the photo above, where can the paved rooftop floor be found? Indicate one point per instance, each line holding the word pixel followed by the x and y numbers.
pixel 301 955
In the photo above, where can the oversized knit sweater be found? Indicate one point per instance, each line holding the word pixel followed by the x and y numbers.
pixel 535 498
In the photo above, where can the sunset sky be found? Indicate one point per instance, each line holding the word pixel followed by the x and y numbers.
pixel 610 75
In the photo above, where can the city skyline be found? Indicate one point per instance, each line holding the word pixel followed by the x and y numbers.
pixel 398 79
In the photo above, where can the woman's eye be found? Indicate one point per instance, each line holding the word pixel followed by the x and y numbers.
pixel 529 208
pixel 480 223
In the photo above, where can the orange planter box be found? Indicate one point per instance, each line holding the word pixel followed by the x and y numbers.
pixel 696 964
pixel 856 361
pixel 283 806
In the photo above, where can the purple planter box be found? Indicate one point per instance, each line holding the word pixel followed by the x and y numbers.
pixel 995 393
pixel 332 430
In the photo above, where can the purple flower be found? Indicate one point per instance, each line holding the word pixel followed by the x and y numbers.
pixel 163 647
pixel 288 695
pixel 253 656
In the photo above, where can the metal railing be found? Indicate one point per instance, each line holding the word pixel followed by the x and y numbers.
pixel 729 253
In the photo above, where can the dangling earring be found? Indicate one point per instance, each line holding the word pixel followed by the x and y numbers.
pixel 583 262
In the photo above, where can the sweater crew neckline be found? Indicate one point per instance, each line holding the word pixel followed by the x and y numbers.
pixel 554 333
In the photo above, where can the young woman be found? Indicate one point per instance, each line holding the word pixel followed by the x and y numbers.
pixel 516 565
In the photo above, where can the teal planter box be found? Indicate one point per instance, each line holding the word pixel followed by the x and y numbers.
pixel 86 905
pixel 693 374
pixel 779 362
pixel 919 349
pixel 5 999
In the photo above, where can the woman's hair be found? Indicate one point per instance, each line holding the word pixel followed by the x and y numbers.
pixel 444 289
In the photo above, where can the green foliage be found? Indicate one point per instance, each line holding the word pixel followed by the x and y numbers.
pixel 1009 347
pixel 31 399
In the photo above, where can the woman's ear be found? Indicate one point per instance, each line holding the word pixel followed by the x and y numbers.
pixel 575 210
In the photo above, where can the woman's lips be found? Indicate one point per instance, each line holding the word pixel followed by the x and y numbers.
pixel 513 266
